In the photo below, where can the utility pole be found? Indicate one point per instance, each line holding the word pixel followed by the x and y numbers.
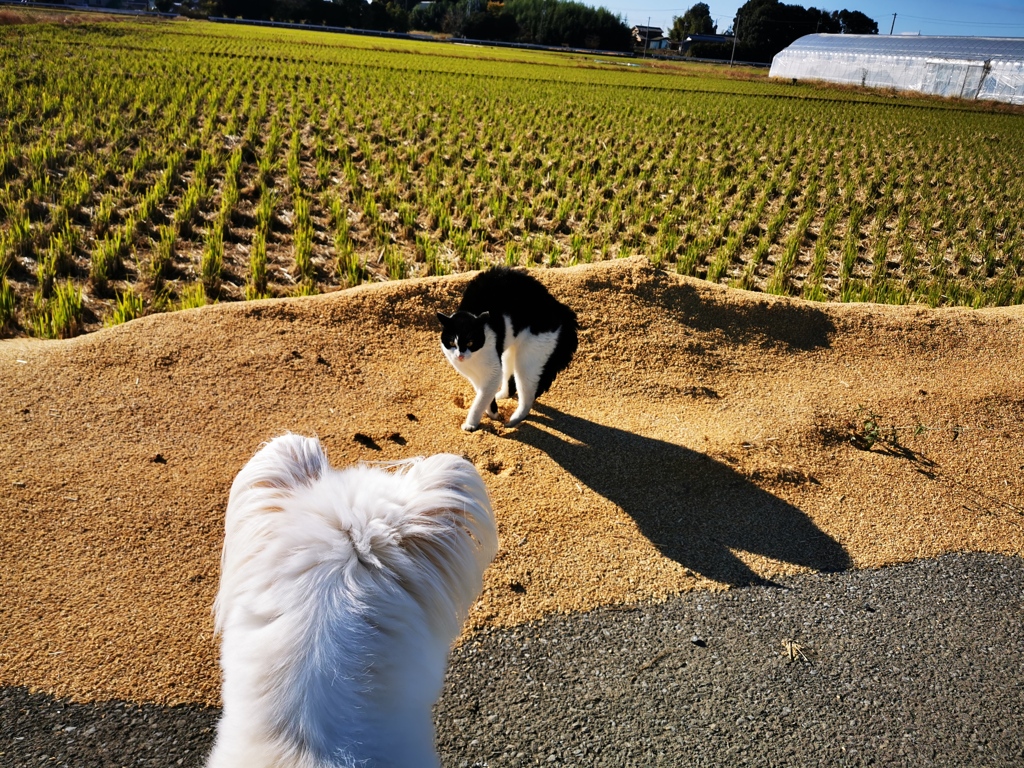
pixel 893 25
pixel 647 37
pixel 735 34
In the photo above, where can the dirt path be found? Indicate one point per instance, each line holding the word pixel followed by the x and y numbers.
pixel 702 438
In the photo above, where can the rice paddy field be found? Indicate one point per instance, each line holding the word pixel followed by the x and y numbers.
pixel 147 166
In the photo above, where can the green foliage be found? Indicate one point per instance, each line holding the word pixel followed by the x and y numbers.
pixel 265 211
pixel 19 241
pixel 129 305
pixel 395 264
pixel 765 27
pixel 256 285
pixel 494 23
pixel 103 214
pixel 230 193
pixel 331 160
pixel 106 261
pixel 696 21
pixel 350 269
pixel 339 13
pixel 211 264
pixel 60 315
pixel 8 304
pixel 46 273
pixel 7 256
pixel 546 22
pixel 192 296
pixel 870 430
pixel 162 255
pixel 305 273
pixel 63 245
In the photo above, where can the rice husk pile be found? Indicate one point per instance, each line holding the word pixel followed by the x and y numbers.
pixel 703 438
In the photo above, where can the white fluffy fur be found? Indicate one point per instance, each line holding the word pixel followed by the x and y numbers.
pixel 341 593
pixel 524 357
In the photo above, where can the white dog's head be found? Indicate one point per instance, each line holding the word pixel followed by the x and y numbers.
pixel 341 593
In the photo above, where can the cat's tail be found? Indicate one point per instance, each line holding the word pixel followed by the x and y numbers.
pixel 562 355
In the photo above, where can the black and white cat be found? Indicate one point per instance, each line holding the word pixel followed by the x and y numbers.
pixel 507 327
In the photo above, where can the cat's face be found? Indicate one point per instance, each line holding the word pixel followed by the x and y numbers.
pixel 462 335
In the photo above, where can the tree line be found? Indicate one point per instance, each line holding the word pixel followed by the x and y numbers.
pixel 764 27
pixel 543 22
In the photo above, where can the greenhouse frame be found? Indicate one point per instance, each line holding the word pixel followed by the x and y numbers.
pixel 958 67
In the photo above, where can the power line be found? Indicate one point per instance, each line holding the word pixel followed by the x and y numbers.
pixel 965 23
pixel 669 10
pixel 991 25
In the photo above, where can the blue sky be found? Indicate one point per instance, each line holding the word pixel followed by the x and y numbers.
pixel 1002 18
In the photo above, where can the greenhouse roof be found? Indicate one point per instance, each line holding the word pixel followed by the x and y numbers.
pixel 931 47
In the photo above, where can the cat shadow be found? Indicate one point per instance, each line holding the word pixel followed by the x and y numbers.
pixel 694 509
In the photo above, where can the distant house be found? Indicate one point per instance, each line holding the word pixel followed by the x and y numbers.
pixel 690 40
pixel 649 37
pixel 113 4
pixel 125 5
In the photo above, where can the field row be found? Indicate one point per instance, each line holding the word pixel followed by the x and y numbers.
pixel 147 167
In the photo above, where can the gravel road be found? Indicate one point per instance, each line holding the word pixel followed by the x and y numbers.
pixel 911 665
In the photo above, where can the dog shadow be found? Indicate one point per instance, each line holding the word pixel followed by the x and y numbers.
pixel 694 509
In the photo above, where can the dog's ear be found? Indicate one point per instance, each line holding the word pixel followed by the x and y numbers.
pixel 443 318
pixel 286 462
pixel 448 529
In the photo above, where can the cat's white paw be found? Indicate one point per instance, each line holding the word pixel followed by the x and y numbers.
pixel 514 421
pixel 467 427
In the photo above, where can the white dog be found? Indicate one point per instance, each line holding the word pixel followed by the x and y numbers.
pixel 341 593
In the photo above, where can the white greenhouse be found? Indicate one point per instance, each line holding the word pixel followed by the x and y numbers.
pixel 960 67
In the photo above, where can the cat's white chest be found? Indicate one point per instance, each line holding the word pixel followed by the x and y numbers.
pixel 476 365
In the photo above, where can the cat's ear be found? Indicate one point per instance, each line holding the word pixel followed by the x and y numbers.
pixel 483 317
pixel 443 318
